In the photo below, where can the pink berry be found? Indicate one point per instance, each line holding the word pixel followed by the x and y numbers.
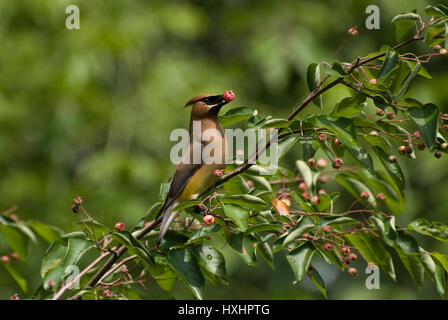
pixel 5 259
pixel 327 229
pixel 15 255
pixel 51 283
pixel 380 112
pixel 303 186
pixel 365 195
pixel 107 293
pixel 228 95
pixel 381 196
pixel 15 296
pixel 353 31
pixel 352 257
pixel 373 81
pixel 352 271
pixel 392 159
pixel 390 115
pixel 120 226
pixel 322 163
pixel 250 183
pixel 328 246
pixel 209 219
pixel 311 162
pixel 15 217
pixel 77 201
pixel 345 251
pixel 218 172
pixel 337 163
pixel 322 137
pixel 315 200
pixel 124 270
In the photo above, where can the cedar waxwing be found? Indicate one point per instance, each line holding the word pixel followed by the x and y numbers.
pixel 193 176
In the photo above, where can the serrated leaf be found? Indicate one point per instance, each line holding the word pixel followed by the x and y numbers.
pixel 434 229
pixel 237 214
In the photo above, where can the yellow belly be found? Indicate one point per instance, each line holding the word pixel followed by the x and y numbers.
pixel 199 182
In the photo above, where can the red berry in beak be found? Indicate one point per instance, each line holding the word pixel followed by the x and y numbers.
pixel 228 95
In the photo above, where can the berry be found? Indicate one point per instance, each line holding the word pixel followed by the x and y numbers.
pixel 322 137
pixel 218 172
pixel 323 179
pixel 228 95
pixel 15 296
pixel 381 196
pixel 306 236
pixel 322 163
pixel 303 186
pixel 379 112
pixel 337 163
pixel 421 146
pixel 209 219
pixel 107 293
pixel 15 217
pixel 444 146
pixel 315 200
pixel 437 47
pixel 438 154
pixel 371 264
pixel 373 81
pixel 443 51
pixel 390 115
pixel 77 201
pixel 306 195
pixel 120 226
pixel 353 31
pixel 417 134
pixel 328 246
pixel 327 229
pixel 409 149
pixel 14 255
pixel 322 191
pixel 365 195
pixel 293 223
pixel 75 208
pixel 392 159
pixel 374 133
pixel 337 141
pixel 124 270
pixel 352 257
pixel 445 127
pixel 250 183
pixel 5 259
pixel 402 149
pixel 345 251
pixel 311 162
pixel 352 271
pixel 51 283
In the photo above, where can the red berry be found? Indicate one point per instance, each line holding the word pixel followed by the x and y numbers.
pixel 390 115
pixel 75 208
pixel 228 95
pixel 218 172
pixel 120 226
pixel 381 196
pixel 365 195
pixel 315 200
pixel 5 259
pixel 15 296
pixel 328 246
pixel 327 229
pixel 337 163
pixel 107 293
pixel 438 154
pixel 445 127
pixel 352 257
pixel 322 191
pixel 374 133
pixel 303 186
pixel 15 217
pixel 51 283
pixel 371 264
pixel 322 137
pixel 402 149
pixel 353 31
pixel 392 159
pixel 311 162
pixel 306 235
pixel 209 219
pixel 345 251
pixel 306 195
pixel 15 255
pixel 322 163
pixel 352 271
pixel 250 183
pixel 124 270
pixel 77 201
pixel 373 81
pixel 293 222
pixel 380 112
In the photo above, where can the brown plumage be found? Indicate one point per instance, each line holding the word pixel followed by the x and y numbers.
pixel 191 179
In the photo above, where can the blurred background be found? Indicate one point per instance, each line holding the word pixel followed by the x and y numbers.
pixel 89 112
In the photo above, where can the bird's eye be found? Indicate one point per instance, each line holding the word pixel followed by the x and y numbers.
pixel 206 100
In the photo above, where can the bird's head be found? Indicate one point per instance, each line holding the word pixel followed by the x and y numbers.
pixel 205 105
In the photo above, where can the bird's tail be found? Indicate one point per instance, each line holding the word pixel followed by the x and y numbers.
pixel 168 218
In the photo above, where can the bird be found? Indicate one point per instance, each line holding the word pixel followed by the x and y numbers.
pixel 191 177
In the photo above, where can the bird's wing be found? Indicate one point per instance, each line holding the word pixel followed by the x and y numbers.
pixel 183 174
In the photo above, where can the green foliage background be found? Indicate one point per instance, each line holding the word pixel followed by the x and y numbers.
pixel 89 112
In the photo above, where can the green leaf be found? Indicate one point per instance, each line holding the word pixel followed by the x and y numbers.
pixel 186 205
pixel 244 246
pixel 238 215
pixel 436 11
pixel 427 120
pixel 265 251
pixel 276 123
pixel 434 270
pixel 349 106
pixel 412 263
pixel 433 229
pixel 386 229
pixel 437 28
pixel 318 281
pixel 276 226
pixel 211 259
pixel 62 253
pixel 389 64
pixel 305 171
pixel 296 233
pixel 300 259
pixel 403 22
pixel 442 258
pixel 48 233
pixel 235 115
pixel 337 66
pixel 335 221
pixel 407 82
pixel 393 169
pixel 245 200
pixel 17 276
pixel 133 245
pixel 161 272
pixel 373 251
pixel 285 144
pixel 313 77
pixel 407 242
pixel 185 265
pixel 17 240
pixel 203 233
pixel 343 128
